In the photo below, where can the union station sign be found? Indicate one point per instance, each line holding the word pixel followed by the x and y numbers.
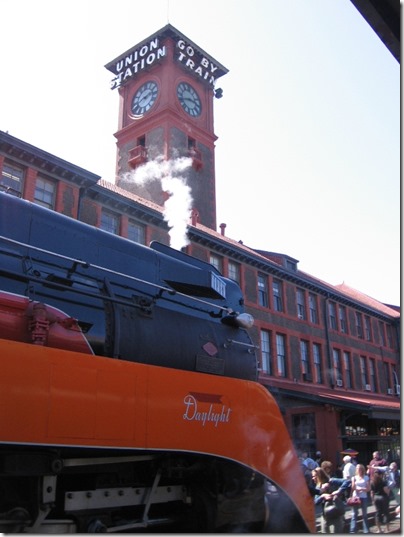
pixel 154 49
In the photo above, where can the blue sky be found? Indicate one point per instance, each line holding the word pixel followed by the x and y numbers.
pixel 308 149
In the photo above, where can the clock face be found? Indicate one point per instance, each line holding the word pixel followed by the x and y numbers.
pixel 144 98
pixel 189 99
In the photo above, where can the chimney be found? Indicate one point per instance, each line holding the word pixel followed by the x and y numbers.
pixel 222 228
pixel 194 216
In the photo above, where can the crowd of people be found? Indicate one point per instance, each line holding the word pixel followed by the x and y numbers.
pixel 351 489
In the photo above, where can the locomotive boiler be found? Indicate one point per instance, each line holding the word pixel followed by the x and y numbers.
pixel 128 390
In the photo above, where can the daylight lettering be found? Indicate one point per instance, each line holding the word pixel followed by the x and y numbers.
pixel 212 413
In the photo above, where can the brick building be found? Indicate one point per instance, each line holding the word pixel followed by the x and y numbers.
pixel 329 354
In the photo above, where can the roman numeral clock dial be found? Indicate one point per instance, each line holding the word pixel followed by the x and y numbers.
pixel 144 98
pixel 189 99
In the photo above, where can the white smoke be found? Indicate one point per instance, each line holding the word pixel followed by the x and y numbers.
pixel 177 208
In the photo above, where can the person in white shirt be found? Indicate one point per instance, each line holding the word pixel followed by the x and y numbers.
pixel 349 468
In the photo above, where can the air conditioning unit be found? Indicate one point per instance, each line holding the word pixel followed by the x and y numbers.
pixel 367 387
pixel 397 389
pixel 340 383
pixel 389 391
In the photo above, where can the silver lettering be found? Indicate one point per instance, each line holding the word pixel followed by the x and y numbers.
pixel 144 50
pixel 192 412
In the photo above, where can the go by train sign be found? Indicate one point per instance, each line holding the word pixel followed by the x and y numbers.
pixel 154 50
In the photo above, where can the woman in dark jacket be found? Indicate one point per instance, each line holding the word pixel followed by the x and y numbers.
pixel 380 495
pixel 326 489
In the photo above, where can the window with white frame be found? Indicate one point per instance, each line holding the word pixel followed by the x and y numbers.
pixel 364 372
pixel 110 222
pixel 337 365
pixel 45 193
pixel 281 354
pixel 301 304
pixel 277 295
pixel 217 262
pixel 368 329
pixel 136 232
pixel 11 180
pixel 313 308
pixel 266 352
pixel 372 374
pixel 234 271
pixel 347 370
pixel 263 290
pixel 305 360
pixel 332 315
pixel 342 320
pixel 318 371
pixel 382 334
pixel 359 329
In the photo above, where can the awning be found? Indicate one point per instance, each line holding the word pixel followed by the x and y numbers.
pixel 376 408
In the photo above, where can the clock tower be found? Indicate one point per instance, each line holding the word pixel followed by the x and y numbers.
pixel 166 86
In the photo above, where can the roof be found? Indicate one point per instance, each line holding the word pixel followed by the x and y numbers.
pixel 384 18
pixel 369 301
pixel 261 255
pixel 168 31
pixel 378 406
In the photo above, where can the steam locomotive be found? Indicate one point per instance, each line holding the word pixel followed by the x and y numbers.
pixel 129 399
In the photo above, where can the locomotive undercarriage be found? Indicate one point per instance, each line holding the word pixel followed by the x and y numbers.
pixel 54 492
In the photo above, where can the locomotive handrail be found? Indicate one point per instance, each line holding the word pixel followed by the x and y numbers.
pixel 87 265
pixel 234 342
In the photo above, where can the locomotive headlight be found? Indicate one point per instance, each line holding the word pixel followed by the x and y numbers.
pixel 245 320
pixel 241 320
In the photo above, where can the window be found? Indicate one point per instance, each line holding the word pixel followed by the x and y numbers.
pixel 313 308
pixel 110 222
pixel 263 290
pixel 304 432
pixel 317 363
pixel 45 193
pixel 382 334
pixel 389 336
pixel 301 304
pixel 359 330
pixel 332 315
pixel 136 232
pixel 12 179
pixel 280 355
pixel 305 361
pixel 277 294
pixel 266 352
pixel 364 373
pixel 342 319
pixel 234 271
pixel 347 369
pixel 372 375
pixel 337 365
pixel 388 379
pixel 368 331
pixel 217 262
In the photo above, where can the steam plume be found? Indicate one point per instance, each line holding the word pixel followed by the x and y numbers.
pixel 177 208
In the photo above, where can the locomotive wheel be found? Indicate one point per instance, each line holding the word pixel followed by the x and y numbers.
pixel 203 512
